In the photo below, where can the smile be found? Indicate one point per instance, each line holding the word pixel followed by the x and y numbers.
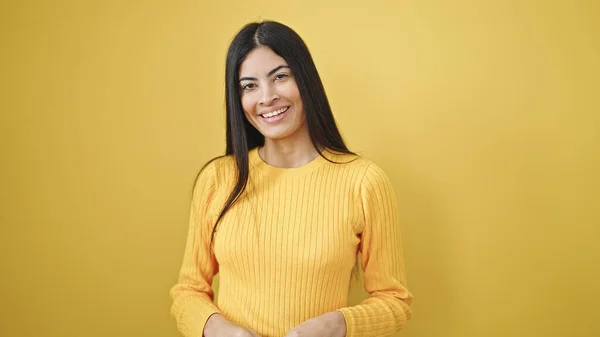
pixel 275 113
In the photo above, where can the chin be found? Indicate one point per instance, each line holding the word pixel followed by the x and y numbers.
pixel 275 134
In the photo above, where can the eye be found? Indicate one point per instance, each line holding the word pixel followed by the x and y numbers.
pixel 248 87
pixel 281 76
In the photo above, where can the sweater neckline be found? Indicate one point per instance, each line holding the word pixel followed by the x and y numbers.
pixel 275 171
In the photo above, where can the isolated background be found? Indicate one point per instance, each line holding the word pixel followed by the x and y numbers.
pixel 485 115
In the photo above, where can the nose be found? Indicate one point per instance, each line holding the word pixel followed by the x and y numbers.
pixel 268 95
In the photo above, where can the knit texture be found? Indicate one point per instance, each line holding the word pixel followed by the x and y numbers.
pixel 286 249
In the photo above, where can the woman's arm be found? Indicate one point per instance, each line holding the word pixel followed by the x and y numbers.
pixel 386 310
pixel 193 295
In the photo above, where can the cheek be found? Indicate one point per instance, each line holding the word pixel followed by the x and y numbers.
pixel 294 94
pixel 249 107
pixel 248 104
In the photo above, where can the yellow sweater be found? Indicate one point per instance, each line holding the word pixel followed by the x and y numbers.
pixel 286 249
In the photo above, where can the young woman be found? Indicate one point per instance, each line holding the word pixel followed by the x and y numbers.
pixel 288 211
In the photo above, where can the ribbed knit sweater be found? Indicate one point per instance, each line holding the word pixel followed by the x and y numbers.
pixel 286 249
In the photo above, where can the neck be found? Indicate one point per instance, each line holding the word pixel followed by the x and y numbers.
pixel 288 152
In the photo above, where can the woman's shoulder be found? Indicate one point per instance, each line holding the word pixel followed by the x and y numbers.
pixel 223 163
pixel 358 163
pixel 217 168
pixel 356 160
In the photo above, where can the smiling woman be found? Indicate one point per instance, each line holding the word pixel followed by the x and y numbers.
pixel 287 212
pixel 271 99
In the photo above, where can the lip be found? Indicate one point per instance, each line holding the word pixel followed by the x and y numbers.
pixel 276 119
pixel 273 109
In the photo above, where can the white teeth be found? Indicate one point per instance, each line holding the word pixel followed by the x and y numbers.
pixel 274 113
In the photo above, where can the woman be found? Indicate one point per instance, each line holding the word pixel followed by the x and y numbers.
pixel 285 213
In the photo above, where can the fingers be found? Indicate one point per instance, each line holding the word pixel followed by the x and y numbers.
pixel 292 333
pixel 253 333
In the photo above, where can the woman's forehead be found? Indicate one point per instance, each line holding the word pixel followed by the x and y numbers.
pixel 259 62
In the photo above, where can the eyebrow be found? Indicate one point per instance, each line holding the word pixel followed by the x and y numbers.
pixel 269 74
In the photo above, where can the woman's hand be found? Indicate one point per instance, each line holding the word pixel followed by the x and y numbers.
pixel 219 326
pixel 331 324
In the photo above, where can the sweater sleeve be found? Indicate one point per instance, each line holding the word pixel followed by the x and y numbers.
pixel 387 309
pixel 193 295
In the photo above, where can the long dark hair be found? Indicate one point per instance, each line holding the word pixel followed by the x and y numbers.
pixel 241 135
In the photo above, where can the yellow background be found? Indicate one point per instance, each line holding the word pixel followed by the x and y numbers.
pixel 485 114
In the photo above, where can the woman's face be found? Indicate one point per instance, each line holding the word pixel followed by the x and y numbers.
pixel 270 96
